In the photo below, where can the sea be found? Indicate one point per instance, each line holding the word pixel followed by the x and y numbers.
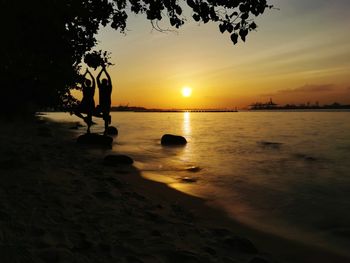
pixel 286 173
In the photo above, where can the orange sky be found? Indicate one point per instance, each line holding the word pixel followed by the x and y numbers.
pixel 300 53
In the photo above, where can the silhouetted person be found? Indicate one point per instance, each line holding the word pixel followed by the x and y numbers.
pixel 105 91
pixel 87 104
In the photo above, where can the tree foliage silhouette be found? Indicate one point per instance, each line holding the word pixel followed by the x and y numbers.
pixel 44 42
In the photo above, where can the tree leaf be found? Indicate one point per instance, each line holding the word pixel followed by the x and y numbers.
pixel 234 38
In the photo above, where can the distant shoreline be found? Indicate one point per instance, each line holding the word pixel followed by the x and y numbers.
pixel 220 111
pixel 225 111
pixel 142 109
pixel 298 110
pixel 175 110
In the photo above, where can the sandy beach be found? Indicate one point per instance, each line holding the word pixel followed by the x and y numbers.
pixel 60 203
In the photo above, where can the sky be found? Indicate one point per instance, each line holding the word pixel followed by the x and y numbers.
pixel 300 53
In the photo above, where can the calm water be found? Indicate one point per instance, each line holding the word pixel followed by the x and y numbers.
pixel 284 172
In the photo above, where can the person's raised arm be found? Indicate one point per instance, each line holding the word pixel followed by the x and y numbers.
pixel 98 77
pixel 84 77
pixel 92 78
pixel 86 72
pixel 108 77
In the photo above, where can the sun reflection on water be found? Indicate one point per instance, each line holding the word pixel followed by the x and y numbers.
pixel 186 126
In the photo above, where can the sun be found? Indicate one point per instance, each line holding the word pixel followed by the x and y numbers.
pixel 186 91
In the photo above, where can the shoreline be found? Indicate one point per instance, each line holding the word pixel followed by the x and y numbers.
pixel 60 204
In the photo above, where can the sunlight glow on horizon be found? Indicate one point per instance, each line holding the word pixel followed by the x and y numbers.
pixel 298 54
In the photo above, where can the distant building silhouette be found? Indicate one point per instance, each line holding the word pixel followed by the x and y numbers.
pixel 263 106
pixel 270 105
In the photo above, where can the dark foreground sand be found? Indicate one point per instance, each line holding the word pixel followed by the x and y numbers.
pixel 59 203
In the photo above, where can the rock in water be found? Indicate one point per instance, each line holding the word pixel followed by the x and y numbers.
pixel 169 139
pixel 95 139
pixel 271 145
pixel 117 159
pixel 193 169
pixel 188 180
pixel 111 130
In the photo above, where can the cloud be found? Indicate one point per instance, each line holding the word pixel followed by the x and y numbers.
pixel 303 90
pixel 308 89
pixel 324 93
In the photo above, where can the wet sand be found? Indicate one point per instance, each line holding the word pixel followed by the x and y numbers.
pixel 59 203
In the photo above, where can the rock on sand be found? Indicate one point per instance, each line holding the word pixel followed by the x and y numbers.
pixel 95 139
pixel 111 130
